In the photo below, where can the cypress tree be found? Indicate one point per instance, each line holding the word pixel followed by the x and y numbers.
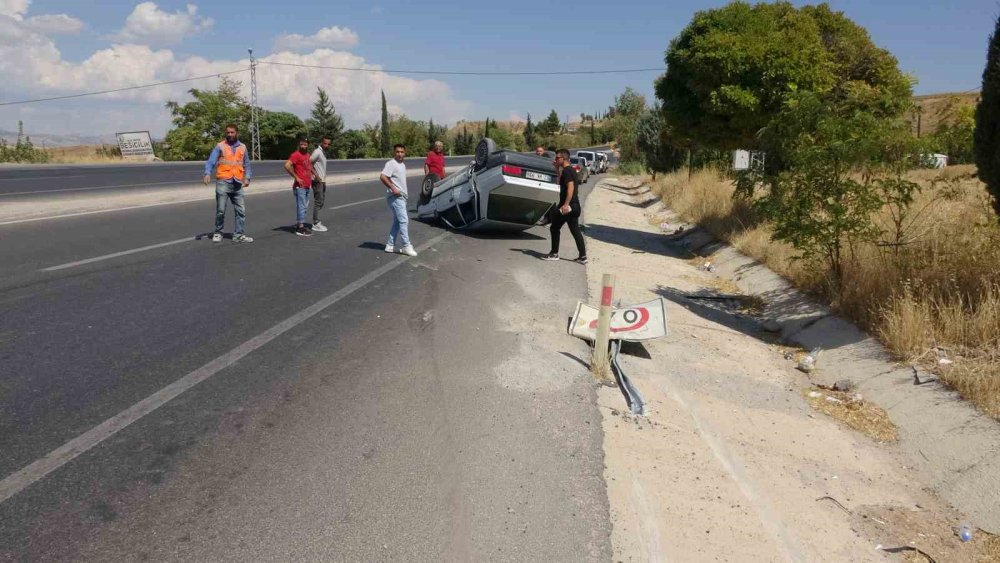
pixel 486 132
pixel 529 134
pixel 986 139
pixel 386 146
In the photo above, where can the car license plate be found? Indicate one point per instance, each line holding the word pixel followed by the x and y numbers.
pixel 536 176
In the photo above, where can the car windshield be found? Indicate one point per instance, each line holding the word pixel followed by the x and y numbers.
pixel 574 160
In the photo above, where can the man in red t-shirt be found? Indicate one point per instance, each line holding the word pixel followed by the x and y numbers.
pixel 299 167
pixel 434 164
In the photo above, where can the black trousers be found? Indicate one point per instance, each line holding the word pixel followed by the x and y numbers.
pixel 573 220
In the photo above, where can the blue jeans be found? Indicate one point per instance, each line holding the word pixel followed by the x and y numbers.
pixel 301 204
pixel 224 192
pixel 399 220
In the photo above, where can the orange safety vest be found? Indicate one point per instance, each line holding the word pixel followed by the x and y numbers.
pixel 230 163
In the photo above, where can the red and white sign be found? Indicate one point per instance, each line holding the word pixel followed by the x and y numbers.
pixel 638 322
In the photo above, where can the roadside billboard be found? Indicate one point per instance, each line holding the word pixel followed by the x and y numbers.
pixel 135 145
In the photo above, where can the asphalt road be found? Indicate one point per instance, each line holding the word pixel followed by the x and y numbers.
pixel 351 411
pixel 62 179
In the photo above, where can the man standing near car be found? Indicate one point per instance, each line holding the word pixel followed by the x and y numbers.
pixel 434 163
pixel 231 164
pixel 393 177
pixel 318 160
pixel 568 212
pixel 299 168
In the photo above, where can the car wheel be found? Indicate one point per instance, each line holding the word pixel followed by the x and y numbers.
pixel 484 149
pixel 426 188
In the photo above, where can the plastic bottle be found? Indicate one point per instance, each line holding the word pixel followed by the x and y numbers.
pixel 965 532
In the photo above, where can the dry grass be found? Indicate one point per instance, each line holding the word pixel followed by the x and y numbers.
pixel 931 290
pixel 80 154
pixel 857 413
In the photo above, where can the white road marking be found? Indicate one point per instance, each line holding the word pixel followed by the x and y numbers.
pixel 169 243
pixel 20 480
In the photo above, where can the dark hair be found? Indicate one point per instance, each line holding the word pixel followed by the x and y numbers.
pixel 564 153
pixel 326 139
pixel 398 146
pixel 302 140
pixel 540 147
pixel 233 125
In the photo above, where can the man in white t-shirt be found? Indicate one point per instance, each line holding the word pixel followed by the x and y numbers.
pixel 318 160
pixel 394 179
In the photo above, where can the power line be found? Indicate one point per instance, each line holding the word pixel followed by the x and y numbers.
pixel 127 88
pixel 470 72
pixel 352 69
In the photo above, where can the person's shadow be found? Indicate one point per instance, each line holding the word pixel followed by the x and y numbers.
pixel 528 252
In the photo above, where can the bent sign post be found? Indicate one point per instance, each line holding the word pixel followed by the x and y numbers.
pixel 135 145
pixel 637 322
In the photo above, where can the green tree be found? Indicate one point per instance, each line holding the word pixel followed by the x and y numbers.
pixel 486 128
pixel 550 126
pixel 464 143
pixel 200 124
pixel 385 145
pixel 324 122
pixel 432 134
pixel 954 136
pixel 279 134
pixel 652 140
pixel 730 69
pixel 529 134
pixel 409 132
pixel 835 179
pixel 629 105
pixel 986 140
pixel 355 144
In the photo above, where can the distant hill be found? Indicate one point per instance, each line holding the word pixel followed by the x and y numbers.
pixel 940 108
pixel 61 140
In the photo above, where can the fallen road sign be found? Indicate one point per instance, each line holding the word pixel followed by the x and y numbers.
pixel 637 322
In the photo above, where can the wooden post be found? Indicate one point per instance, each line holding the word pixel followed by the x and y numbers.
pixel 600 365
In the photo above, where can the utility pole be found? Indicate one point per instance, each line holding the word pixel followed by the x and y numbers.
pixel 254 111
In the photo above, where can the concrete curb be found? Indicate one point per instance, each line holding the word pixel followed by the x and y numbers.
pixel 956 448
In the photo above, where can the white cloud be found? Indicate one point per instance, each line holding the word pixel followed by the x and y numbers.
pixel 149 25
pixel 334 37
pixel 14 8
pixel 32 62
pixel 516 117
pixel 55 24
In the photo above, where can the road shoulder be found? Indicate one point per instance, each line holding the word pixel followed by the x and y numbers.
pixel 731 462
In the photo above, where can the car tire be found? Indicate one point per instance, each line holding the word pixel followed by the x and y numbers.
pixel 484 149
pixel 426 188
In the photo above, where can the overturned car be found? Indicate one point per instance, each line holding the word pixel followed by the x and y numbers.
pixel 500 190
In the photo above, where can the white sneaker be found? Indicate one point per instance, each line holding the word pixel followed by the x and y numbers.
pixel 390 248
pixel 408 250
pixel 319 227
pixel 216 237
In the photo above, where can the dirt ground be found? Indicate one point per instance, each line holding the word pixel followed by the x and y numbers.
pixel 731 463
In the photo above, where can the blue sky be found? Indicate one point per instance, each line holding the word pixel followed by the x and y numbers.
pixel 942 44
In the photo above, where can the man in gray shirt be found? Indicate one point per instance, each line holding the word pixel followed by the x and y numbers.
pixel 394 179
pixel 318 159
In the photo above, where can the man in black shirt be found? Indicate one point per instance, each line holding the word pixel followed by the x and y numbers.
pixel 568 211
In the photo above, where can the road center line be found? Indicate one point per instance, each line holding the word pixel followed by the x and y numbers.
pixel 163 244
pixel 24 478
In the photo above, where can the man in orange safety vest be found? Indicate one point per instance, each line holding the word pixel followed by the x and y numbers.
pixel 230 163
